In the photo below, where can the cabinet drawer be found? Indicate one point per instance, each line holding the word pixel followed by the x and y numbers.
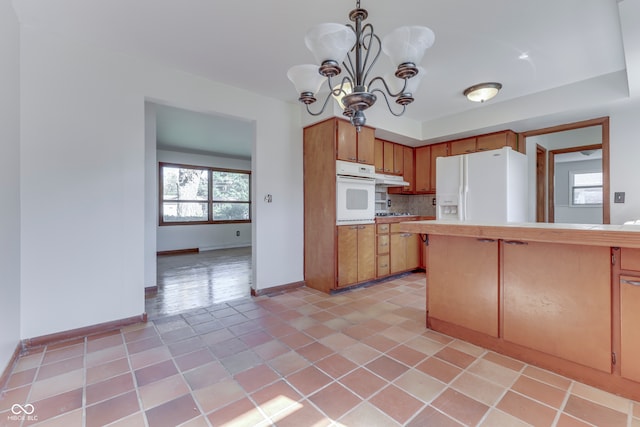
pixel 383 228
pixel 395 227
pixel 383 244
pixel 630 259
pixel 383 265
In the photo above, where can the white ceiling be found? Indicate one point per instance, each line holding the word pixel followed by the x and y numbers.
pixel 252 44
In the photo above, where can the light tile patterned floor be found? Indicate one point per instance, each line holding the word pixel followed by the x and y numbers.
pixel 302 358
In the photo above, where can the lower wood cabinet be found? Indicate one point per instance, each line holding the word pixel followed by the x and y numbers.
pixel 557 300
pixel 404 252
pixel 630 327
pixel 356 254
pixel 463 282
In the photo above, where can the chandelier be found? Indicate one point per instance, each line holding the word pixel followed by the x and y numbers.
pixel 347 54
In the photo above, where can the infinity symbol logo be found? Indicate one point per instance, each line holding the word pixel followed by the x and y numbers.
pixel 28 409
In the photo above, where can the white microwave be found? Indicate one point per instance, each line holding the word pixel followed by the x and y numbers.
pixel 355 194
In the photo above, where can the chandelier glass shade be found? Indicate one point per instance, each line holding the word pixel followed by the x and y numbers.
pixel 347 54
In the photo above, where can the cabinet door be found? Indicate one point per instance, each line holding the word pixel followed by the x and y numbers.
pixel 557 299
pixel 346 144
pixel 366 141
pixel 463 146
pixel 494 141
pixel 398 159
pixel 408 173
pixel 413 251
pixel 423 169
pixel 366 252
pixel 397 255
pixel 463 282
pixel 437 150
pixel 630 327
pixel 347 254
pixel 378 155
pixel 388 156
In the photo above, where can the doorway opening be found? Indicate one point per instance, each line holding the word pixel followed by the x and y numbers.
pixel 203 257
pixel 571 137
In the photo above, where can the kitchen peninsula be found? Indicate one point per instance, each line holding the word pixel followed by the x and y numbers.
pixel 565 297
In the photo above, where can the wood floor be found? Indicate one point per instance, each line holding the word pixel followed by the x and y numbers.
pixel 201 279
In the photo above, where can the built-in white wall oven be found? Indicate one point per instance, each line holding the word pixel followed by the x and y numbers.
pixel 355 193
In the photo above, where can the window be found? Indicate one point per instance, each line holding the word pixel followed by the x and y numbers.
pixel 586 188
pixel 201 195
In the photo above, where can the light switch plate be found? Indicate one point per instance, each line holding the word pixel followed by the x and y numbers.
pixel 618 197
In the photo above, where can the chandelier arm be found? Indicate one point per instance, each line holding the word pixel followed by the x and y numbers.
pixel 384 95
pixel 386 87
pixel 324 105
pixel 371 35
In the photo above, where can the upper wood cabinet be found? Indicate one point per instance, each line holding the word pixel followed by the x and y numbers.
pixel 398 159
pixel 423 169
pixel 404 154
pixel 384 156
pixel 437 150
pixel 355 146
pixel 378 155
pixel 494 141
pixel 491 141
pixel 463 146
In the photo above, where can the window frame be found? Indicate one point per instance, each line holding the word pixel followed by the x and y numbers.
pixel 573 187
pixel 209 201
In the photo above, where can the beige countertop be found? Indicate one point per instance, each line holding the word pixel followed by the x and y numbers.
pixel 627 236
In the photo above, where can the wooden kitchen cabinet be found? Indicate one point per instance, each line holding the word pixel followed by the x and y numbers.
pixel 408 169
pixel 356 254
pixel 382 250
pixel 354 146
pixel 494 141
pixel 404 251
pixel 462 146
pixel 463 282
pixel 437 150
pixel 630 327
pixel 557 300
pixel 423 169
pixel 398 159
pixel 378 155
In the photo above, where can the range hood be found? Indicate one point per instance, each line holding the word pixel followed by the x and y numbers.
pixel 390 180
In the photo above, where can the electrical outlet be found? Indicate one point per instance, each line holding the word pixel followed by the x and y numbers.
pixel 618 197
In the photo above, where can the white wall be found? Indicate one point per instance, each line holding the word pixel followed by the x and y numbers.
pixel 84 244
pixel 625 161
pixel 150 196
pixel 10 179
pixel 203 237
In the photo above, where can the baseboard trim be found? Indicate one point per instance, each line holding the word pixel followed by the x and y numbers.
pixel 31 343
pixel 276 289
pixel 179 252
pixel 12 363
pixel 150 290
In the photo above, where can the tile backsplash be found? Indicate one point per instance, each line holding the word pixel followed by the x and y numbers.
pixel 421 204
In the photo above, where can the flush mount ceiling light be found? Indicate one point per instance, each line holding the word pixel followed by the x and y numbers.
pixel 356 50
pixel 482 92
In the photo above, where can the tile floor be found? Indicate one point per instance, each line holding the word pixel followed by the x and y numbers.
pixel 302 358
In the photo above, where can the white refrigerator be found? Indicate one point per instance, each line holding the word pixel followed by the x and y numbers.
pixel 487 186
